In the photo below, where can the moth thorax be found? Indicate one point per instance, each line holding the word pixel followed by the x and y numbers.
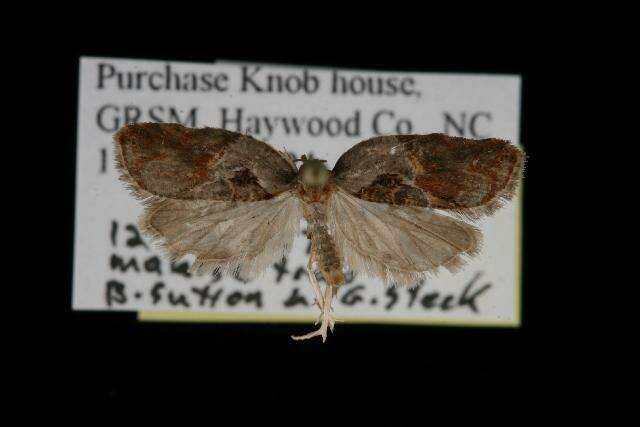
pixel 313 173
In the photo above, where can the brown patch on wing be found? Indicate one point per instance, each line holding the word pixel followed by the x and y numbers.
pixel 170 160
pixel 388 188
pixel 469 177
pixel 245 186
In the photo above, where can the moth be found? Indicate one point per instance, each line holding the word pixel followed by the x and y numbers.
pixel 235 203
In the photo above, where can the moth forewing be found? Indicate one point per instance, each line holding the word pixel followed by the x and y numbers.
pixel 468 178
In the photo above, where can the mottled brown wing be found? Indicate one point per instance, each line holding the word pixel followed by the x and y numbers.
pixel 170 160
pixel 467 177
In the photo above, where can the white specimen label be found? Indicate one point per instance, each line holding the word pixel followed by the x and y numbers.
pixel 321 111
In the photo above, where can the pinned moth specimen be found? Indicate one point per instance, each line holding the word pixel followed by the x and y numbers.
pixel 236 203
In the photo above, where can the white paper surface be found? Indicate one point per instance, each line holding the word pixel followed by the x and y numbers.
pixel 305 110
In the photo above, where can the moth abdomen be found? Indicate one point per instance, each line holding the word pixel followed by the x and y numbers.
pixel 323 247
pixel 327 257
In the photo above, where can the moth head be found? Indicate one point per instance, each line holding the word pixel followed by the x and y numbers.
pixel 313 172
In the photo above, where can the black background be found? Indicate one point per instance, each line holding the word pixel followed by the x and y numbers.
pixel 112 357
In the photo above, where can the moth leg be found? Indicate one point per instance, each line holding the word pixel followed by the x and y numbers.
pixel 314 284
pixel 330 292
pixel 327 320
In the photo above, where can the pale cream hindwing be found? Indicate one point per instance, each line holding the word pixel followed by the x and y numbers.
pixel 399 244
pixel 242 237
